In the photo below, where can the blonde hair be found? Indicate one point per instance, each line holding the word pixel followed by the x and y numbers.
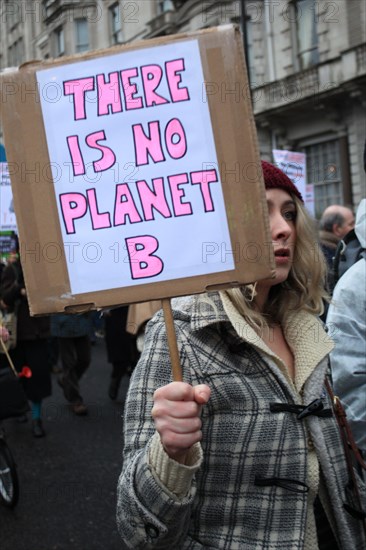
pixel 304 288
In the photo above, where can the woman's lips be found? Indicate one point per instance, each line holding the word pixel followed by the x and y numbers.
pixel 282 255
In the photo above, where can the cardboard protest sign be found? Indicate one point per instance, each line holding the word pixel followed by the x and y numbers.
pixel 135 176
pixel 294 165
pixel 7 214
pixel 7 244
pixel 310 198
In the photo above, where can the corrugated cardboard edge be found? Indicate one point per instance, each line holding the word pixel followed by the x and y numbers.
pixel 61 299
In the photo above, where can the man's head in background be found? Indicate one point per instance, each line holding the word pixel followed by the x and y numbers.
pixel 338 220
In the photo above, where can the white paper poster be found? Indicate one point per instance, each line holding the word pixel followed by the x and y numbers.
pixel 7 215
pixel 128 138
pixel 310 198
pixel 294 166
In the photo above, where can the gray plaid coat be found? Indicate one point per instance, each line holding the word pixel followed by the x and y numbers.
pixel 232 503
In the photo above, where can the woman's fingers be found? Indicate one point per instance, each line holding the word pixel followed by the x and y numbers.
pixel 175 391
pixel 176 412
pixel 178 425
pixel 180 400
pixel 175 409
pixel 181 391
pixel 201 393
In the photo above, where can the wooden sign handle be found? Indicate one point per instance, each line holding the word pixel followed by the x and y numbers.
pixel 5 350
pixel 172 340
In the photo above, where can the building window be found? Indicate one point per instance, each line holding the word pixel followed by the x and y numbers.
pixel 59 42
pixel 324 170
pixel 82 35
pixel 165 5
pixel 10 56
pixel 115 24
pixel 13 13
pixel 16 53
pixel 20 51
pixel 305 18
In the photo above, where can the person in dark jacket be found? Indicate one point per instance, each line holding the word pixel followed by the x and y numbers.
pixel 31 349
pixel 73 334
pixel 335 223
pixel 121 347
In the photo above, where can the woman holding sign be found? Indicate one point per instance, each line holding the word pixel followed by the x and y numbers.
pixel 245 453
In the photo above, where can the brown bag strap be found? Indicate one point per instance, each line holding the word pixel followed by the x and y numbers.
pixel 348 444
pixel 346 432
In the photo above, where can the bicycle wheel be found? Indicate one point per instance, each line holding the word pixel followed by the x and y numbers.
pixel 9 486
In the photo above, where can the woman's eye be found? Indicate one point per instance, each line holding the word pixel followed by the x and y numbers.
pixel 290 215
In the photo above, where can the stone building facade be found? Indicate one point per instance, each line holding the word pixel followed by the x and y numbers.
pixel 306 62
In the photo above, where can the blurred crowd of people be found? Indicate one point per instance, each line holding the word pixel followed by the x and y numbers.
pixel 62 344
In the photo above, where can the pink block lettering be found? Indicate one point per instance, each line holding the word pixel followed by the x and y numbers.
pixel 130 89
pixel 180 208
pixel 203 179
pixel 125 206
pixel 108 94
pixel 77 89
pixel 151 78
pixel 73 207
pixel 147 145
pixel 99 221
pixel 108 157
pixel 76 156
pixel 175 139
pixel 154 198
pixel 174 79
pixel 143 262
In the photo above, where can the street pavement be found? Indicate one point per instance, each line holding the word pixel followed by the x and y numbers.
pixel 68 478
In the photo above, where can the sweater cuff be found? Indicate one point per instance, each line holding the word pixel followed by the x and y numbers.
pixel 176 477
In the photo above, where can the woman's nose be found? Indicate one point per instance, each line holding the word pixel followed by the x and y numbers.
pixel 280 228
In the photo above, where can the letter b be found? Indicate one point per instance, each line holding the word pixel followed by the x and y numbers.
pixel 143 262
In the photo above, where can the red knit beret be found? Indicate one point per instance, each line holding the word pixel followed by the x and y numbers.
pixel 274 178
